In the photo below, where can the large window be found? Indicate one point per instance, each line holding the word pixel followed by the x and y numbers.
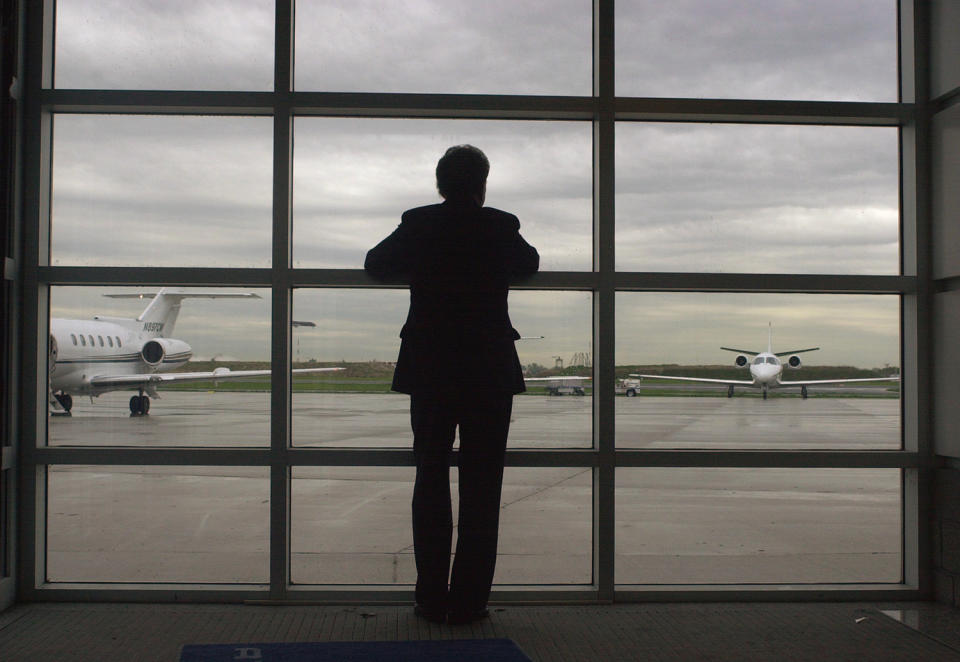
pixel 721 343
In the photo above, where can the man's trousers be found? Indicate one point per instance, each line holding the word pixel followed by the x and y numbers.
pixel 484 421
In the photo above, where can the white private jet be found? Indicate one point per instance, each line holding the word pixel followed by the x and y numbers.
pixel 766 368
pixel 92 357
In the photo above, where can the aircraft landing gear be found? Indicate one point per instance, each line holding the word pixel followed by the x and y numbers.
pixel 730 390
pixel 803 392
pixel 66 401
pixel 139 405
pixel 764 393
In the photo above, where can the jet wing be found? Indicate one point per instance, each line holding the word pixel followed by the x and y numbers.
pixel 796 351
pixel 740 351
pixel 703 380
pixel 895 378
pixel 171 377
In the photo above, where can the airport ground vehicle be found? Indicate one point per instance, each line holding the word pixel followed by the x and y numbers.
pixel 627 387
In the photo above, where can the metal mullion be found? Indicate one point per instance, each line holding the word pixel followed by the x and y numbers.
pixel 280 386
pixel 444 106
pixel 339 594
pixel 358 278
pixel 353 104
pixel 546 280
pixel 604 301
pixel 156 276
pixel 945 101
pixel 916 254
pixel 479 106
pixel 746 282
pixel 37 137
pixel 403 457
pixel 749 111
pixel 400 457
pixel 167 102
pixel 136 592
pixel 943 285
pixel 181 456
pixel 824 459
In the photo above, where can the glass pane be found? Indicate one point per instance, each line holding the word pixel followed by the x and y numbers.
pixel 353 178
pixel 162 191
pixel 774 199
pixel 843 50
pixel 170 45
pixel 352 526
pixel 556 352
pixel 158 524
pixel 445 46
pixel 167 342
pixel 665 340
pixel 358 331
pixel 546 534
pixel 745 526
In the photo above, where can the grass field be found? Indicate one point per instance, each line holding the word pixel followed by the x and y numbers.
pixel 351 386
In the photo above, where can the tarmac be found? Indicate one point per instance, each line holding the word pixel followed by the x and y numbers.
pixel 350 525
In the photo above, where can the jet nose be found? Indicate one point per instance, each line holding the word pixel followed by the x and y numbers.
pixel 766 372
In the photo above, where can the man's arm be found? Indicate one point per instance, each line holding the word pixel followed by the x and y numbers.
pixel 524 258
pixel 392 256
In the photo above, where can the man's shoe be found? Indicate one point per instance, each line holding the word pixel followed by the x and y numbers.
pixel 432 615
pixel 466 617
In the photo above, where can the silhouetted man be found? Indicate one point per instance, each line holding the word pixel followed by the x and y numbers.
pixel 459 365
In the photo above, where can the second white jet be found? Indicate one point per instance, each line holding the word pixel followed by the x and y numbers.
pixel 766 369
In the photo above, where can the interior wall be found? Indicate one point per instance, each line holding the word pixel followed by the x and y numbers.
pixel 945 63
pixel 945 203
pixel 945 210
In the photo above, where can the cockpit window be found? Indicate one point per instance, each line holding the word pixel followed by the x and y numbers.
pixel 758 360
pixel 772 360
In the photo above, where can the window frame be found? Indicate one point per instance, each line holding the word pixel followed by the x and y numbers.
pixel 603 110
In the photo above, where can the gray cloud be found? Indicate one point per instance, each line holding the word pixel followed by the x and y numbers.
pixel 196 191
pixel 501 47
pixel 790 49
pixel 174 44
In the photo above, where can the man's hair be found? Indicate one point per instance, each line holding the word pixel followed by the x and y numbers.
pixel 462 171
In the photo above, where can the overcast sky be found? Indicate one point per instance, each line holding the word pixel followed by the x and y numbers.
pixel 196 191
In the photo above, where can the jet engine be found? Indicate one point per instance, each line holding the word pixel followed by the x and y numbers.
pixel 741 361
pixel 158 350
pixel 794 361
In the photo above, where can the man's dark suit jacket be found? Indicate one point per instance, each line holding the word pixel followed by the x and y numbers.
pixel 459 260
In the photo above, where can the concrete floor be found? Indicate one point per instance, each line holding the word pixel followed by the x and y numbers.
pixel 814 632
pixel 350 524
pixel 350 420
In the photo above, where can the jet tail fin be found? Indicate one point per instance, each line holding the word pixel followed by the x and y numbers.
pixel 160 315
